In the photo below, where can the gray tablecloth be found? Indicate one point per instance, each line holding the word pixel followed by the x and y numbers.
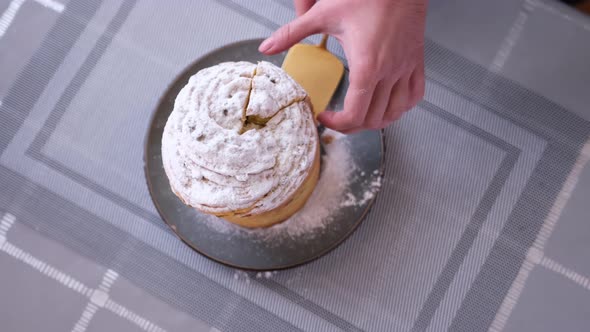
pixel 479 224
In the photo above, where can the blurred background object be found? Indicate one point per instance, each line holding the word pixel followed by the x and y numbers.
pixel 582 5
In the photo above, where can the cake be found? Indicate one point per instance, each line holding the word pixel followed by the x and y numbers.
pixel 241 143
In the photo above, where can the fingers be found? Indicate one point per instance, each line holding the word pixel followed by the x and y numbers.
pixel 293 32
pixel 399 100
pixel 302 6
pixel 387 103
pixel 417 84
pixel 406 93
pixel 375 116
pixel 356 103
pixel 351 131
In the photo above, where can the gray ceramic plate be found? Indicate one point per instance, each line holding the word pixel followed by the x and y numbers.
pixel 241 249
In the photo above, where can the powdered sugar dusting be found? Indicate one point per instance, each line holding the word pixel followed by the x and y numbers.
pixel 220 163
pixel 351 200
pixel 330 196
pixel 265 275
pixel 246 276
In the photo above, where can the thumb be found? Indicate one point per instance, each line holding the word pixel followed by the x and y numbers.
pixel 292 32
pixel 302 6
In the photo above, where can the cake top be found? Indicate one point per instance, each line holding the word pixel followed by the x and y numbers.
pixel 241 137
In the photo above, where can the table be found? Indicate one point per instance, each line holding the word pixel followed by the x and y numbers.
pixel 482 221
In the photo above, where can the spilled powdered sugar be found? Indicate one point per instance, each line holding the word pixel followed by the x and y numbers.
pixel 246 276
pixel 352 200
pixel 329 197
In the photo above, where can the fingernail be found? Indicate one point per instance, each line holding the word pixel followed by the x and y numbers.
pixel 266 45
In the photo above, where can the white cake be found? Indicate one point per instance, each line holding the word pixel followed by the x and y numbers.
pixel 241 143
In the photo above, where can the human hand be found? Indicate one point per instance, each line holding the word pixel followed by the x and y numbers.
pixel 383 41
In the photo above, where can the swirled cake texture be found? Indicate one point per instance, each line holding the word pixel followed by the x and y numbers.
pixel 240 141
